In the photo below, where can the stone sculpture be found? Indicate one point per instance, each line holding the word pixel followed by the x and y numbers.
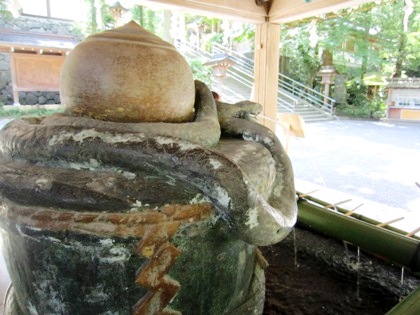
pixel 109 209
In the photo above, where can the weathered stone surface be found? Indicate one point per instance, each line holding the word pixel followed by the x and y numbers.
pixel 104 217
pixel 254 218
pixel 204 130
pixel 128 75
pixel 31 99
pixel 70 273
pixel 42 100
pixel 5 64
pixel 50 95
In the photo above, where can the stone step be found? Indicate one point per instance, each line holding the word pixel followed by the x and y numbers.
pixel 307 110
pixel 312 120
pixel 234 91
pixel 308 113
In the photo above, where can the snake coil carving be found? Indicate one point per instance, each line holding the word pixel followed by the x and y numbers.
pixel 183 149
pixel 186 152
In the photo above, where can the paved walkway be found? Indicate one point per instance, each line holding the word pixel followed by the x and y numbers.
pixel 375 163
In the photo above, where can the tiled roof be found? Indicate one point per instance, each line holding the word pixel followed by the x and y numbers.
pixel 38 40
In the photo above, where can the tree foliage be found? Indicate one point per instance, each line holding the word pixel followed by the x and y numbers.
pixel 376 39
pixel 370 39
pixel 98 17
pixel 4 10
pixel 302 58
pixel 147 18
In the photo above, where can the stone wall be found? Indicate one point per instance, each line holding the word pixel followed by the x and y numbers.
pixel 30 24
pixel 33 24
pixel 6 91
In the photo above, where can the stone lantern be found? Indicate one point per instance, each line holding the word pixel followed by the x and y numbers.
pixel 220 63
pixel 117 11
pixel 327 73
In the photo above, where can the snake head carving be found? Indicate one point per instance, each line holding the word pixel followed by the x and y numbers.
pixel 244 110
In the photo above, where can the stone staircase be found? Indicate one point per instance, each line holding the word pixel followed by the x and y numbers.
pixel 310 114
pixel 301 107
pixel 237 86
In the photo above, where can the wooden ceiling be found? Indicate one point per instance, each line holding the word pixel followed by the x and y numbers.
pixel 259 11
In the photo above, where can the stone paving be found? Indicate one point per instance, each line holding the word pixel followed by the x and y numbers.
pixel 371 162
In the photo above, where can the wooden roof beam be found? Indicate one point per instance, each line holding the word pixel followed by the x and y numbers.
pixel 240 10
pixel 284 11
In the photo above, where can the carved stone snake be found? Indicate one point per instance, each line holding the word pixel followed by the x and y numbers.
pixel 184 150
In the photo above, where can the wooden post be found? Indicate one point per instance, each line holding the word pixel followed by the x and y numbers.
pixel 14 80
pixel 292 124
pixel 266 71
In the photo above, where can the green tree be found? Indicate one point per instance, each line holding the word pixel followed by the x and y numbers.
pixel 400 33
pixel 371 38
pixel 4 9
pixel 302 60
pixel 349 36
pixel 107 19
pixel 151 20
pixel 387 37
pixel 98 10
pixel 92 23
pixel 381 39
pixel 200 72
pixel 412 58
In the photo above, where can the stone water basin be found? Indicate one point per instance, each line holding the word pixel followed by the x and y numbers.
pixel 310 273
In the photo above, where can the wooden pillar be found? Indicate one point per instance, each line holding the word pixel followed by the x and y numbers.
pixel 266 70
pixel 167 20
pixel 14 79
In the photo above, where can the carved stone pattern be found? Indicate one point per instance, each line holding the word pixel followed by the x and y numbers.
pixel 156 227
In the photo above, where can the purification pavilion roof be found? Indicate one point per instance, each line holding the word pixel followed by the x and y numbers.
pixel 259 11
pixel 28 40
